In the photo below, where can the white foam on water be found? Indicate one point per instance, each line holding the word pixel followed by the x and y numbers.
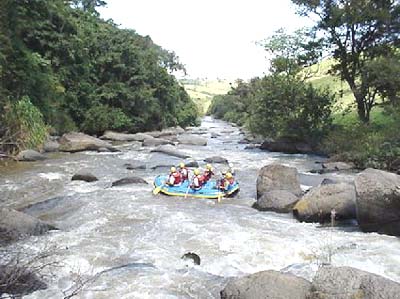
pixel 51 176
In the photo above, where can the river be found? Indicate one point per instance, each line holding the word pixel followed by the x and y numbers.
pixel 128 243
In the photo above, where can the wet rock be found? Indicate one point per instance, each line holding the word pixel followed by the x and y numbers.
pixel 115 136
pixel 378 201
pixel 135 165
pixel 30 156
pixel 215 135
pixel 167 132
pixel 51 146
pixel 156 142
pixel 19 281
pixel 280 201
pixel 84 176
pixel 15 225
pixel 267 285
pixel 320 201
pixel 170 151
pixel 336 166
pixel 191 256
pixel 216 159
pixel 192 140
pixel 252 146
pixel 103 150
pixel 346 282
pixel 76 142
pixel 191 164
pixel 327 181
pixel 286 146
pixel 278 177
pixel 129 180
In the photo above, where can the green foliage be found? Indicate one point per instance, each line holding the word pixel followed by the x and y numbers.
pixel 76 68
pixel 274 107
pixel 25 126
pixel 101 117
pixel 358 33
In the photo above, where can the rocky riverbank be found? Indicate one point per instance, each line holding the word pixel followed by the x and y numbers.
pixel 97 204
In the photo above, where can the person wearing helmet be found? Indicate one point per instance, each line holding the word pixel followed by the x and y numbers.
pixel 198 180
pixel 183 171
pixel 226 182
pixel 174 178
pixel 208 173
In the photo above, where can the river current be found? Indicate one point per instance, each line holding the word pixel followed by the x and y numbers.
pixel 124 242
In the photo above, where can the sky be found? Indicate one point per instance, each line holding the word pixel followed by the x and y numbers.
pixel 213 39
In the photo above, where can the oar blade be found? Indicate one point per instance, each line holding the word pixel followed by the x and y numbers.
pixel 156 190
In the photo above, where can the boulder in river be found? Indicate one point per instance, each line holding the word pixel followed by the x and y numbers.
pixel 278 177
pixel 51 146
pixel 192 140
pixel 216 159
pixel 267 285
pixel 345 282
pixel 19 281
pixel 378 201
pixel 322 201
pixel 135 165
pixel 286 145
pixel 15 225
pixel 129 180
pixel 30 156
pixel 170 151
pixel 167 132
pixel 156 142
pixel 76 142
pixel 84 176
pixel 280 201
pixel 115 136
pixel 192 256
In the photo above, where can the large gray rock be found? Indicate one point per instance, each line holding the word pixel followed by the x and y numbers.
pixel 278 177
pixel 167 132
pixel 216 159
pixel 156 142
pixel 267 285
pixel 350 283
pixel 84 176
pixel 30 156
pixel 51 146
pixel 19 281
pixel 77 142
pixel 286 146
pixel 15 225
pixel 129 180
pixel 170 151
pixel 135 165
pixel 192 140
pixel 115 136
pixel 378 201
pixel 280 201
pixel 317 204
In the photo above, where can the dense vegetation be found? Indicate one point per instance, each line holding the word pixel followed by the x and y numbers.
pixel 363 42
pixel 79 72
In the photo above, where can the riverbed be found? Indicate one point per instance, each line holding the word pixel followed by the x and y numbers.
pixel 126 242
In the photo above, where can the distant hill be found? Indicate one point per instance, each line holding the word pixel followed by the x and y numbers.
pixel 203 90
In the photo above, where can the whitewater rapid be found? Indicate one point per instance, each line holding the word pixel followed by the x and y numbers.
pixel 127 243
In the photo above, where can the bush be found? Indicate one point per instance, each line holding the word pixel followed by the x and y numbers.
pixel 25 126
pixel 102 117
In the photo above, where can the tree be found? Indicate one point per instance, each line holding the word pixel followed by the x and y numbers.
pixel 291 52
pixel 357 32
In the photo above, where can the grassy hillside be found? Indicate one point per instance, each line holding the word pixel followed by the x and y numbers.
pixel 202 90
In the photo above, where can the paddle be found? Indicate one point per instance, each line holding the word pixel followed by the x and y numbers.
pixel 158 189
pixel 188 188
